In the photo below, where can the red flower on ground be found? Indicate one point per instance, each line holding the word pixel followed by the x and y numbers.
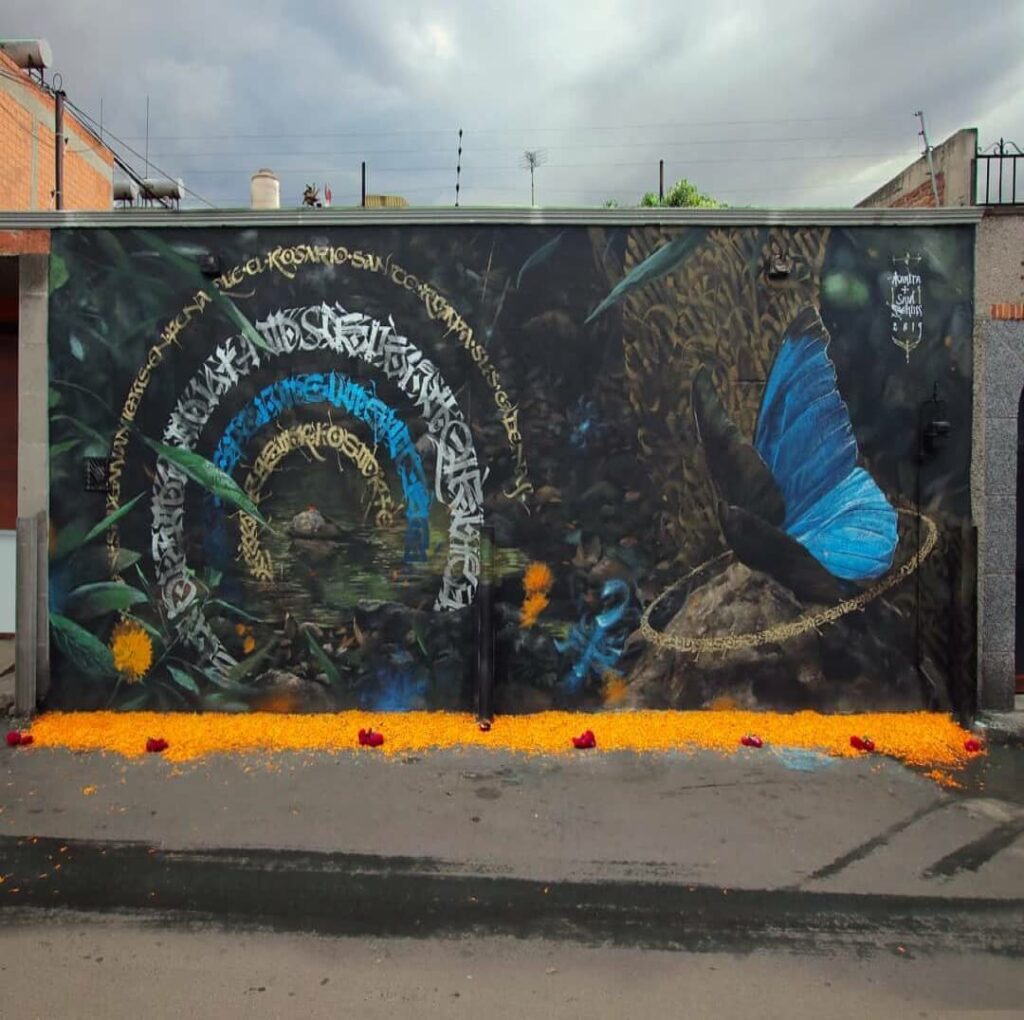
pixel 26 739
pixel 862 743
pixel 973 745
pixel 368 738
pixel 585 740
pixel 15 738
pixel 750 740
pixel 154 745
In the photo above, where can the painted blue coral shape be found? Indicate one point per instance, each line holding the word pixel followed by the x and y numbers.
pixel 597 644
pixel 339 391
pixel 834 508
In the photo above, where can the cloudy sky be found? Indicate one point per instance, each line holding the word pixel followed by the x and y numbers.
pixel 782 103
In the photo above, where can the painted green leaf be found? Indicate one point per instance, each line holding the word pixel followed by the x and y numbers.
pixel 58 273
pixel 54 398
pixel 223 702
pixel 191 271
pixel 218 680
pixel 417 630
pixel 64 447
pixel 208 475
pixel 112 248
pixel 251 662
pixel 663 261
pixel 241 613
pixel 126 558
pixel 73 541
pixel 81 389
pixel 542 254
pixel 323 659
pixel 91 600
pixel 86 651
pixel 182 679
pixel 86 430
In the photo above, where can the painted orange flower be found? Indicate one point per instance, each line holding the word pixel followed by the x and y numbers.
pixel 538 578
pixel 614 690
pixel 248 644
pixel 533 606
pixel 537 582
pixel 132 650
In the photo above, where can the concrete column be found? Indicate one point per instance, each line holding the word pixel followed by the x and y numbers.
pixel 31 648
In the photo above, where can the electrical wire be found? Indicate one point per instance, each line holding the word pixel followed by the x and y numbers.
pixel 524 129
pixel 505 168
pixel 163 173
pixel 359 153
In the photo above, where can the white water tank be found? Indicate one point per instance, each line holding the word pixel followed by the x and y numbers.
pixel 163 187
pixel 265 190
pixel 27 53
pixel 125 191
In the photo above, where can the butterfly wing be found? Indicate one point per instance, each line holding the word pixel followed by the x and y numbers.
pixel 762 546
pixel 738 473
pixel 833 508
pixel 851 530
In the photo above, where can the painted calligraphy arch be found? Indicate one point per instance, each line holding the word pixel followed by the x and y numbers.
pixel 333 330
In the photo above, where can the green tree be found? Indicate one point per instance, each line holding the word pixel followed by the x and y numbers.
pixel 682 194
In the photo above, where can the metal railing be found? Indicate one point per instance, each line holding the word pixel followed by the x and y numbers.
pixel 999 174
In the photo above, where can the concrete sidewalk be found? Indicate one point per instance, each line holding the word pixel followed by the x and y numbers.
pixel 865 826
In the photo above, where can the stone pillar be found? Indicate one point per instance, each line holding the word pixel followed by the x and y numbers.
pixel 33 470
pixel 1002 380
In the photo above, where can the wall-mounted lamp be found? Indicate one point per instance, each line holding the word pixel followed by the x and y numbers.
pixel 778 265
pixel 210 265
pixel 935 425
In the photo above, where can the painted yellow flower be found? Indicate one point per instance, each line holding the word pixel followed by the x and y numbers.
pixel 132 649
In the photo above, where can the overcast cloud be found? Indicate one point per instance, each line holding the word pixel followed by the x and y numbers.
pixel 763 103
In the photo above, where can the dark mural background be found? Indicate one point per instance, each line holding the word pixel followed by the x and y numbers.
pixel 285 464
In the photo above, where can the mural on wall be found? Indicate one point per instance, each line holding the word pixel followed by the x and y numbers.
pixel 685 463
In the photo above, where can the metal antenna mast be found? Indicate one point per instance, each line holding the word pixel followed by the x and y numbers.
pixel 928 153
pixel 532 159
pixel 458 170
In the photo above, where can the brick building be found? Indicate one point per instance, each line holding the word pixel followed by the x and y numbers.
pixel 27 177
pixel 27 163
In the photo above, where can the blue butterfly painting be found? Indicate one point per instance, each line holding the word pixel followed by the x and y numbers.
pixel 795 504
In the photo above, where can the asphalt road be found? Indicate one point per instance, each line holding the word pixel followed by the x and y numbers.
pixel 488 884
pixel 71 967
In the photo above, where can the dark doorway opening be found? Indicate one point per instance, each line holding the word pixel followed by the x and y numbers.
pixel 8 436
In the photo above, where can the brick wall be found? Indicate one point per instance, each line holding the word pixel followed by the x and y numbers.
pixel 922 197
pixel 27 151
pixel 912 188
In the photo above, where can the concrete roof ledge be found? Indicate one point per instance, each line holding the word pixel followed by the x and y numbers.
pixel 412 216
